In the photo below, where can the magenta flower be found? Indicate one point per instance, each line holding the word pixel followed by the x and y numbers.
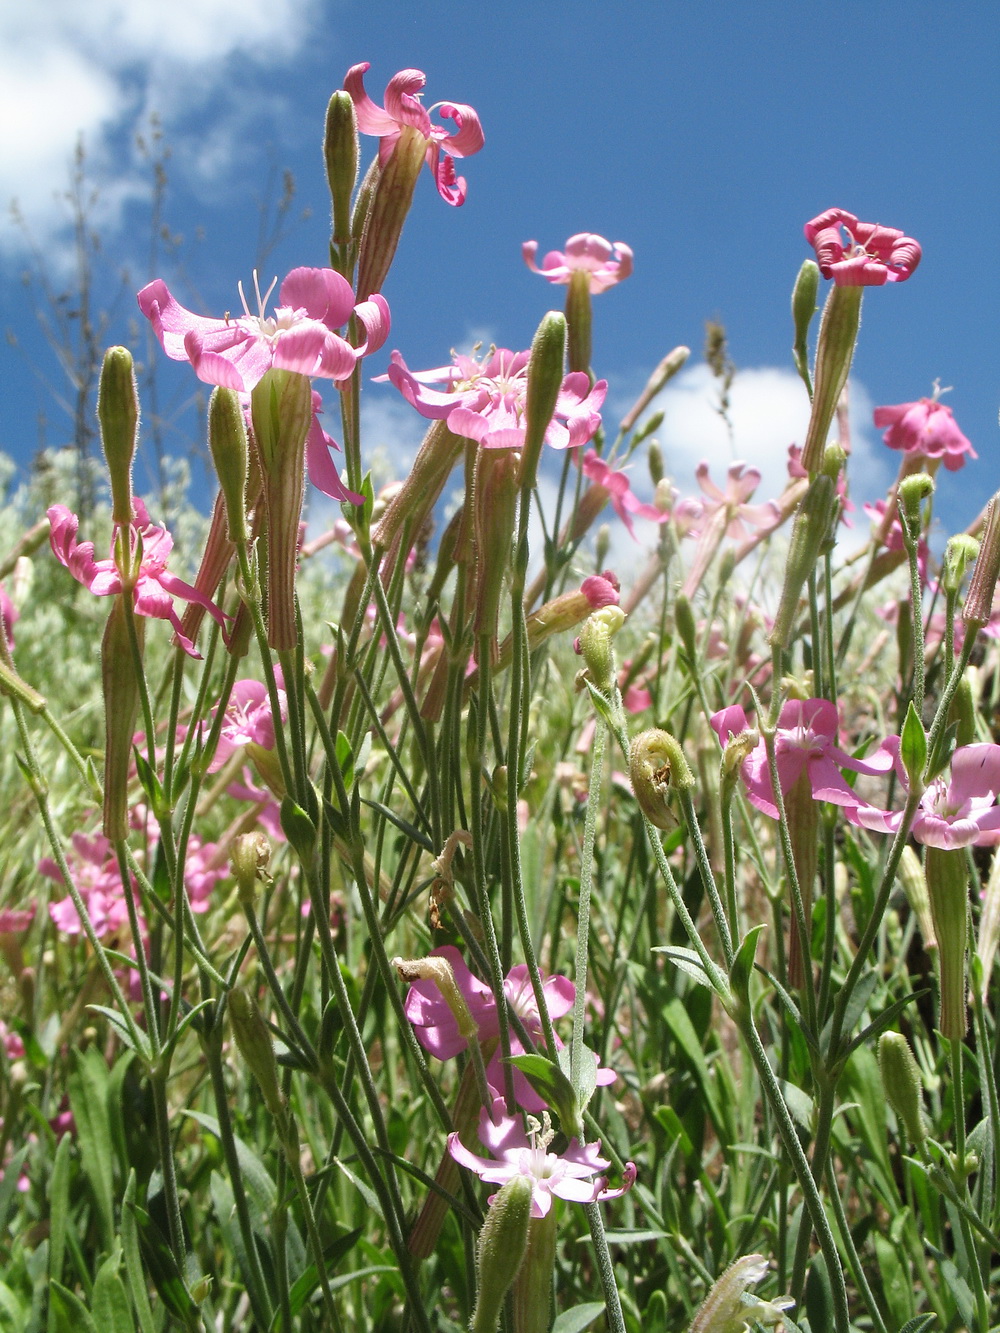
pixel 437 1031
pixel 249 726
pixel 567 1175
pixel 403 107
pixel 300 336
pixel 8 614
pixel 155 587
pixel 956 812
pixel 615 483
pixel 485 401
pixel 925 427
pixel 606 263
pixel 806 742
pixel 860 254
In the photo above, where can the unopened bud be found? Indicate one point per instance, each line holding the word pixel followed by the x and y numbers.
pixel 664 372
pixel 979 602
pixel 948 887
pixel 502 1243
pixel 602 543
pixel 656 767
pixel 834 460
pixel 654 457
pixel 911 492
pixel 545 376
pixel 989 926
pixel 838 333
pixel 810 531
pixel 902 1083
pixel 118 415
pixel 804 295
pixel 341 152
pixel 910 874
pixel 440 971
pixel 595 645
pixel 960 552
pixel 664 496
pixel 121 707
pixel 227 439
pixel 962 713
pixel 687 630
pixel 738 748
pixel 253 1040
pixel 495 509
pixel 250 858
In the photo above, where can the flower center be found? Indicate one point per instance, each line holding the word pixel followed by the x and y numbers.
pixel 267 326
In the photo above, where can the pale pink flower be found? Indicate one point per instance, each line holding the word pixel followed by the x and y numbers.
pixel 860 254
pixel 615 483
pixel 155 587
pixel 959 811
pixel 236 352
pixel 249 721
pixel 805 742
pixel 925 427
pixel 485 400
pixel 436 1027
pixel 575 1174
pixel 204 867
pixel 796 471
pixel 268 810
pixel 606 262
pixel 731 506
pixel 403 107
pixel 893 539
pixel 94 868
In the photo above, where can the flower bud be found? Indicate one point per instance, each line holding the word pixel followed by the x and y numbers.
pixel 502 1243
pixel 121 707
pixel 989 925
pixel 602 543
pixel 250 858
pixel 910 874
pixel 838 333
pixel 341 152
pixel 654 457
pixel 911 492
pixel 664 372
pixel 227 439
pixel 595 644
pixel 979 602
pixel 391 197
pixel 545 377
pixel 118 416
pixel 810 532
pixel 962 713
pixel 948 887
pixel 804 295
pixel 579 316
pixel 495 509
pixel 960 552
pixel 253 1040
pixel 902 1083
pixel 656 766
pixel 281 408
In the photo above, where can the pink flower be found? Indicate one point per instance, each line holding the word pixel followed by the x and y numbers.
pixel 249 721
pixel 606 263
pixel 567 1175
pixel 299 336
pixel 956 812
pixel 485 401
pixel 731 505
pixel 268 811
pixel 926 427
pixel 14 921
pixel 860 254
pixel 94 868
pixel 806 742
pixel 892 539
pixel 204 867
pixel 8 613
pixel 403 107
pixel 437 1031
pixel 615 483
pixel 154 589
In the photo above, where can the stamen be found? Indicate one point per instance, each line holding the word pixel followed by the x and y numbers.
pixel 246 308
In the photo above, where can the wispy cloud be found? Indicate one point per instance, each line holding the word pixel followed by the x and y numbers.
pixel 96 71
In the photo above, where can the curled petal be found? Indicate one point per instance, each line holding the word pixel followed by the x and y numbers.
pixel 321 292
pixel 401 101
pixel 372 119
pixel 468 136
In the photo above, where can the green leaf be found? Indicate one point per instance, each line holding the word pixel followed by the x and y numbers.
pixel 856 1006
pixel 133 1263
pixel 150 783
pixel 88 1097
pixel 71 1313
pixel 59 1209
pixel 554 1088
pixel 109 1300
pixel 686 961
pixel 8 1183
pixel 885 1019
pixel 913 745
pixel 742 968
pixel 918 1323
pixel 579 1318
pixel 162 1268
pixel 897 1286
pixel 124 1031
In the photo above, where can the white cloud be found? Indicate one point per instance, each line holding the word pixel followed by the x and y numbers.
pixel 97 69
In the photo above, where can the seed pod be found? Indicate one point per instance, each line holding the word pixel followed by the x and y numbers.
pixel 979 602
pixel 902 1083
pixel 253 1040
pixel 838 333
pixel 656 766
pixel 121 708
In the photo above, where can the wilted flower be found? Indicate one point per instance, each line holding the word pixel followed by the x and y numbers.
pixel 925 427
pixel 567 1175
pixel 403 107
pixel 730 1307
pixel 155 587
pixel 300 336
pixel 860 254
pixel 485 400
pixel 606 262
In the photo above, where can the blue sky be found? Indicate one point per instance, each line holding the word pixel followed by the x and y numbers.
pixel 703 136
